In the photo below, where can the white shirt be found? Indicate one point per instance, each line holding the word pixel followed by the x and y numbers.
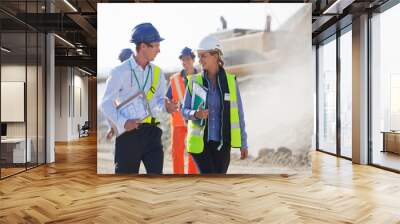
pixel 121 84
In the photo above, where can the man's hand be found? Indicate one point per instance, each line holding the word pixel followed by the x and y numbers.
pixel 244 153
pixel 131 125
pixel 110 133
pixel 200 113
pixel 170 105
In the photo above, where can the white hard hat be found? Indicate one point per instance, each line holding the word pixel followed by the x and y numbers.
pixel 210 43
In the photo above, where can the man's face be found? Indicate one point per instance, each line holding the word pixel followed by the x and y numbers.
pixel 187 62
pixel 150 50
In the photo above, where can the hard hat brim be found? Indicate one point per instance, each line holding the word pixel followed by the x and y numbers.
pixel 206 50
pixel 193 56
pixel 155 40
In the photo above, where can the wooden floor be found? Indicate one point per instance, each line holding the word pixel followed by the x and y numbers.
pixel 70 191
pixel 387 159
pixel 10 171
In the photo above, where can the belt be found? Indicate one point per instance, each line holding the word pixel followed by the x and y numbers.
pixel 151 120
pixel 140 126
pixel 146 125
pixel 152 124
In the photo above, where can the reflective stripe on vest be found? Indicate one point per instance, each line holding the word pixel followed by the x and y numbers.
pixel 152 90
pixel 194 140
pixel 178 88
pixel 236 139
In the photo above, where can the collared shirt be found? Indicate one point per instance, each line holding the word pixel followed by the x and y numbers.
pixel 185 80
pixel 121 84
pixel 214 112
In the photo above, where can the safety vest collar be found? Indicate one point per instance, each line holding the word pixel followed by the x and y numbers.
pixel 184 75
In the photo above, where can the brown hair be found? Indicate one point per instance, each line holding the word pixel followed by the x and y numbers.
pixel 138 45
pixel 219 55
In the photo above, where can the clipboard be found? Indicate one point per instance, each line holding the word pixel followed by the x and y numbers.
pixel 199 96
pixel 135 107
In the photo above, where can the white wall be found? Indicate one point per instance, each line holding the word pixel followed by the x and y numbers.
pixel 61 103
pixel 80 96
pixel 71 93
pixel 33 126
pixel 16 73
pixel 360 90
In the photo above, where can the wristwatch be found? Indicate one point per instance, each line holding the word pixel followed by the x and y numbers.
pixel 194 114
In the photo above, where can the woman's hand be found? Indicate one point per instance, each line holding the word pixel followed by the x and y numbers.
pixel 244 152
pixel 200 113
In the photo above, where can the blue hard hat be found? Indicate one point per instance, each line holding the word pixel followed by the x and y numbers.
pixel 125 54
pixel 187 52
pixel 145 33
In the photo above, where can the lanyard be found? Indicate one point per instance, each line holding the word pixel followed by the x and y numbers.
pixel 137 81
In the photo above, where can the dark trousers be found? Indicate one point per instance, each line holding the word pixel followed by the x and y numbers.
pixel 212 160
pixel 142 144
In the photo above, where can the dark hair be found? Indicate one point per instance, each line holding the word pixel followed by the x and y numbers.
pixel 219 54
pixel 191 55
pixel 145 43
pixel 138 46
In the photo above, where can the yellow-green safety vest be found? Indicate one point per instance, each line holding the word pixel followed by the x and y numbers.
pixel 152 90
pixel 194 139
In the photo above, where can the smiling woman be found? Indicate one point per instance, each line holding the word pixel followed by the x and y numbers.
pixel 210 142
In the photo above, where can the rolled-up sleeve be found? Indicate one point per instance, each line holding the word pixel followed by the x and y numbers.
pixel 186 110
pixel 241 119
pixel 113 85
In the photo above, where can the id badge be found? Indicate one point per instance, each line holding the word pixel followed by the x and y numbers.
pixel 227 97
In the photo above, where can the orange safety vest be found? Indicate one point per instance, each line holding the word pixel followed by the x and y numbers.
pixel 178 93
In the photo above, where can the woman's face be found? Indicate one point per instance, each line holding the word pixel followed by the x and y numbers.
pixel 207 59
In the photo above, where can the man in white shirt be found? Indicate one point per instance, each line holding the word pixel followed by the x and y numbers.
pixel 125 54
pixel 138 140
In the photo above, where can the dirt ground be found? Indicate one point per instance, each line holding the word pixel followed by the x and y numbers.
pixel 268 161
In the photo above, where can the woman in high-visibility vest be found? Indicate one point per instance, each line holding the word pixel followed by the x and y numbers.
pixel 176 91
pixel 216 125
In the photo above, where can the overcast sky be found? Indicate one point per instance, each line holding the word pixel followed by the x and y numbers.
pixel 180 24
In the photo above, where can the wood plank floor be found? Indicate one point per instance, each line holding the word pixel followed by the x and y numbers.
pixel 10 171
pixel 70 191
